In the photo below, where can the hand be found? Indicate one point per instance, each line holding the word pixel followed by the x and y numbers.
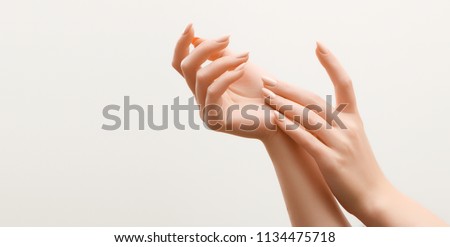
pixel 339 146
pixel 307 196
pixel 228 82
pixel 341 149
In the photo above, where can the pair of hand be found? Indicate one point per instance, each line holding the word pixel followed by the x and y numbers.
pixel 340 148
pixel 229 81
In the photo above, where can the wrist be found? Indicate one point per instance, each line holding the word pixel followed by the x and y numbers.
pixel 376 204
pixel 272 138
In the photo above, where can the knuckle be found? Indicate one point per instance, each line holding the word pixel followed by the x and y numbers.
pixel 339 164
pixel 346 82
pixel 353 132
pixel 346 146
pixel 221 63
pixel 332 162
pixel 185 65
pixel 211 91
pixel 175 65
pixel 340 159
pixel 354 127
pixel 207 45
pixel 201 76
pixel 336 161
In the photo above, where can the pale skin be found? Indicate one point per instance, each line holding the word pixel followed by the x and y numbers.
pixel 231 80
pixel 344 155
pixel 313 166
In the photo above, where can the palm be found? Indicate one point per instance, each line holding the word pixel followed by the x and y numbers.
pixel 246 94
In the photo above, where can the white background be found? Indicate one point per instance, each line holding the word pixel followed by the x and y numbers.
pixel 61 62
pixel 343 236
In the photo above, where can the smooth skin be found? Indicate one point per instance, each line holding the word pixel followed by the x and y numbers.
pixel 343 153
pixel 228 80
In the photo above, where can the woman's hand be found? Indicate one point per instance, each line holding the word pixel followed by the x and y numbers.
pixel 336 139
pixel 228 89
pixel 308 199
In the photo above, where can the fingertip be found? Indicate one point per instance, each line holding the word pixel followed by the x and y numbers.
pixel 238 72
pixel 240 67
pixel 268 82
pixel 321 48
pixel 243 55
pixel 188 29
pixel 197 41
pixel 242 61
pixel 223 39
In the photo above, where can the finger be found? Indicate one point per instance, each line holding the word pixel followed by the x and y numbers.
pixel 300 135
pixel 225 52
pixel 192 63
pixel 221 84
pixel 297 94
pixel 341 80
pixel 197 41
pixel 298 113
pixel 182 47
pixel 206 75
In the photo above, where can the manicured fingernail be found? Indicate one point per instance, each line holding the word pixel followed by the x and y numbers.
pixel 240 67
pixel 268 93
pixel 187 29
pixel 242 55
pixel 321 48
pixel 196 41
pixel 223 39
pixel 269 81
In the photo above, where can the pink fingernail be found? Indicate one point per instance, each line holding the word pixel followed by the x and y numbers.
pixel 321 48
pixel 196 41
pixel 242 55
pixel 223 39
pixel 269 81
pixel 240 67
pixel 187 29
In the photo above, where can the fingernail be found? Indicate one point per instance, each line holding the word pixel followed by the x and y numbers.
pixel 269 81
pixel 187 29
pixel 267 93
pixel 321 48
pixel 196 41
pixel 240 67
pixel 242 55
pixel 223 39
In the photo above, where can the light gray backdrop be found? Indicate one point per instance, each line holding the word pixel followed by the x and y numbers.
pixel 61 62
